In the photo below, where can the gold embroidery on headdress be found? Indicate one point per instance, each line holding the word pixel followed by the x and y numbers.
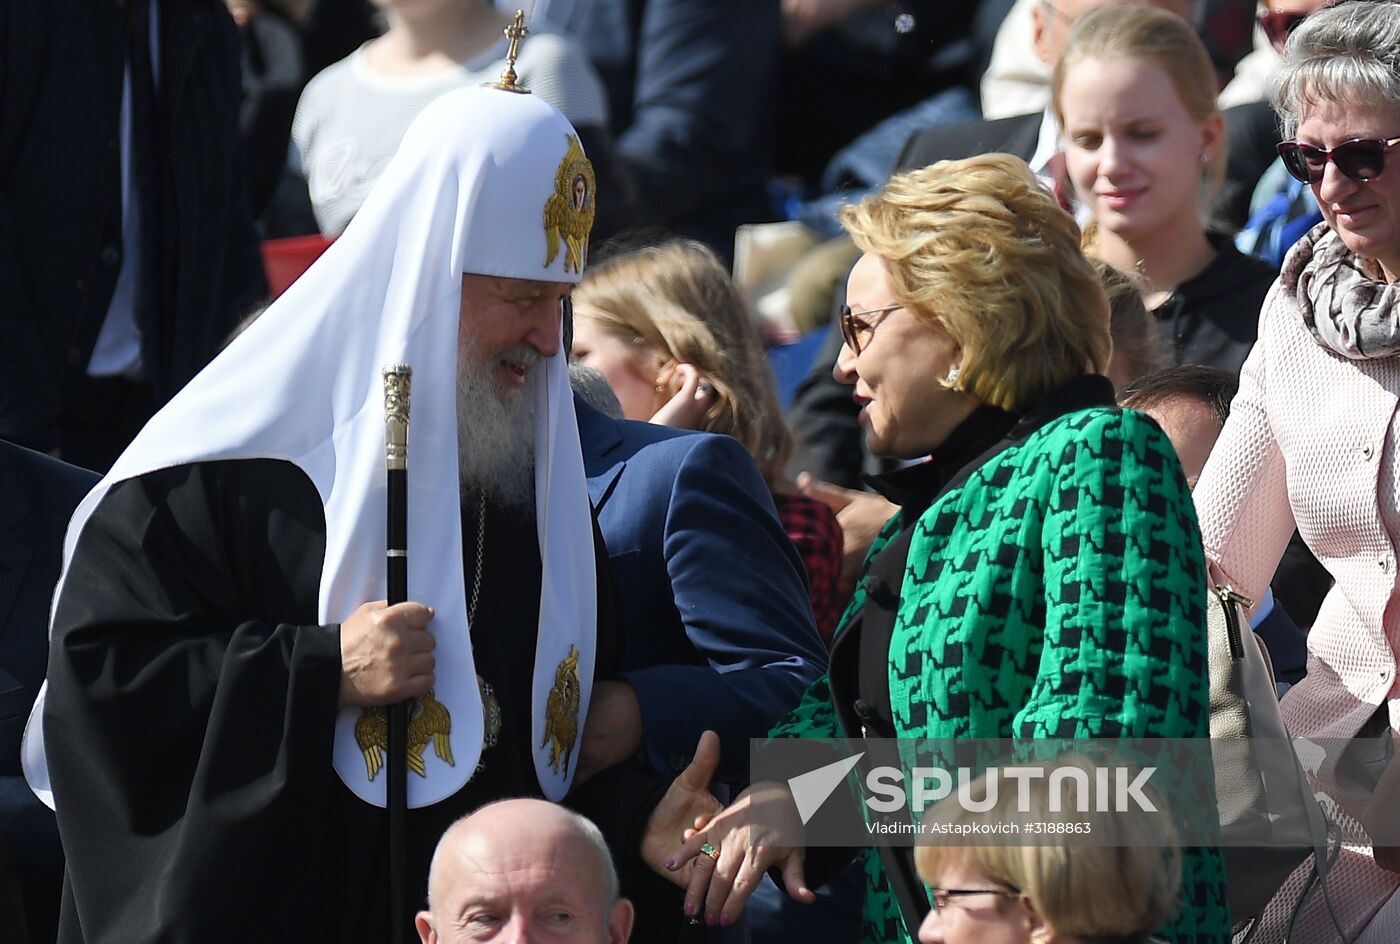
pixel 429 720
pixel 561 713
pixel 568 213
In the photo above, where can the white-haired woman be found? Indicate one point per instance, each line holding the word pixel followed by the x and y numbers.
pixel 1314 436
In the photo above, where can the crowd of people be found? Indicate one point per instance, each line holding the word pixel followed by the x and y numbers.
pixel 445 591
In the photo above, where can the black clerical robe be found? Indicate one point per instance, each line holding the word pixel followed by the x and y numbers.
pixel 192 708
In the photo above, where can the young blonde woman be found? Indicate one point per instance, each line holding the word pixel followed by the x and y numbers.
pixel 668 329
pixel 1145 150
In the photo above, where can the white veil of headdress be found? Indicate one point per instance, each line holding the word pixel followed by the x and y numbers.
pixel 466 193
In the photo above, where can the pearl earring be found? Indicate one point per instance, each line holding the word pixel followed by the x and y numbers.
pixel 1205 157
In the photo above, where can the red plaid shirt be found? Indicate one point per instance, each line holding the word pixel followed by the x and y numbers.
pixel 812 526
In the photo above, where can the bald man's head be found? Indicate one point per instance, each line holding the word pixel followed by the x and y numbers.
pixel 523 870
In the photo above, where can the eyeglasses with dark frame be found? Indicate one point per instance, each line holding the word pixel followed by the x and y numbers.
pixel 854 324
pixel 943 897
pixel 1361 159
pixel 1278 25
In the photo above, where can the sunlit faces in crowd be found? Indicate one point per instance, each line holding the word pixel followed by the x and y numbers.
pixel 1364 213
pixel 523 871
pixel 969 908
pixel 631 367
pixel 1121 888
pixel 512 323
pixel 972 291
pixel 904 410
pixel 506 327
pixel 1132 150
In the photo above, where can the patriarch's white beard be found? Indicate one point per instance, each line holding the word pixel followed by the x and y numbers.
pixel 495 428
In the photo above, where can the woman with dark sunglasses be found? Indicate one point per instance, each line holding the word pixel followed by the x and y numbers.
pixel 1313 441
pixel 1044 561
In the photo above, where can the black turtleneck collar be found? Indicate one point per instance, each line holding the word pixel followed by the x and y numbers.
pixel 976 439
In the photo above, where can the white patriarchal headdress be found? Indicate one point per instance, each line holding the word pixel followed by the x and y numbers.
pixel 486 182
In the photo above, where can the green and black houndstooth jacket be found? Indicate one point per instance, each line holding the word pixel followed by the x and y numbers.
pixel 1056 592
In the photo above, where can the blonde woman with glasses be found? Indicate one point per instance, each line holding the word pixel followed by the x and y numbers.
pixel 1043 577
pixel 1119 887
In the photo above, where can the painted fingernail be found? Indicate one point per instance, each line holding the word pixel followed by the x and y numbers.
pixel 671 864
pixel 689 910
pixel 725 921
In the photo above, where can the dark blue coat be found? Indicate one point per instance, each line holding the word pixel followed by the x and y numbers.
pixel 37 497
pixel 712 604
pixel 61 67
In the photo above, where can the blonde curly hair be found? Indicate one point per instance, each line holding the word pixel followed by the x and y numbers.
pixel 978 247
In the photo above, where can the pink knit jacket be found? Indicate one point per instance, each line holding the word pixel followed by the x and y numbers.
pixel 1312 441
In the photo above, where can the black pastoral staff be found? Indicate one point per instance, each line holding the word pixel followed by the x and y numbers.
pixel 194 695
pixel 217 639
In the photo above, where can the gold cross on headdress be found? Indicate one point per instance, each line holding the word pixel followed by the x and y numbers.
pixel 516 31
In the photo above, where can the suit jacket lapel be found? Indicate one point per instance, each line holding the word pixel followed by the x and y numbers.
pixel 600 487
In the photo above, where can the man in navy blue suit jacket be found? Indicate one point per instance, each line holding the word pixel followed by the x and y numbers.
pixel 37 497
pixel 712 605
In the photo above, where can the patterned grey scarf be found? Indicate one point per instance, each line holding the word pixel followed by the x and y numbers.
pixel 1344 298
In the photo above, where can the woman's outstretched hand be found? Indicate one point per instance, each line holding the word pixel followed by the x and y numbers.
pixel 759 829
pixel 687 801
